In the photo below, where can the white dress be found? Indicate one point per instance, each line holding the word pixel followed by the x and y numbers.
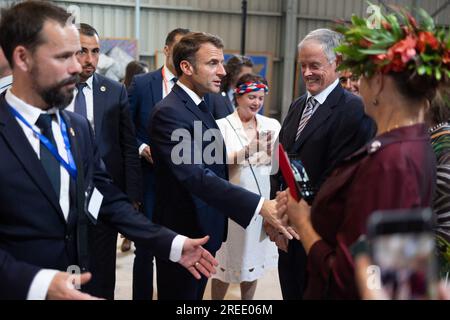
pixel 247 253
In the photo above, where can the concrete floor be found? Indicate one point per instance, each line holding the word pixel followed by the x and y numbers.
pixel 268 287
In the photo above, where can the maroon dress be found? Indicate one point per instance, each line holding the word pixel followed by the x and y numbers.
pixel 395 170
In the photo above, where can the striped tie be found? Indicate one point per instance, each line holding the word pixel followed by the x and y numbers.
pixel 307 113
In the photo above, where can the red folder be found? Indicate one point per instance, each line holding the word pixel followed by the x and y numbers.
pixel 288 175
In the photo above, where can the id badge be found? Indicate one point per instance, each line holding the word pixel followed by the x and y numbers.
pixel 93 203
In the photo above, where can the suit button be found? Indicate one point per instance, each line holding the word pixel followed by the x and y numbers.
pixel 68 237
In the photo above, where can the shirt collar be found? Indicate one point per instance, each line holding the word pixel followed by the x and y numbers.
pixel 230 94
pixel 237 123
pixel 190 93
pixel 168 74
pixel 29 112
pixel 322 96
pixel 89 82
pixel 5 81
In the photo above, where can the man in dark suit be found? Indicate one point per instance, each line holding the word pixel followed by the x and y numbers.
pixel 145 92
pixel 104 103
pixel 53 180
pixel 321 128
pixel 193 195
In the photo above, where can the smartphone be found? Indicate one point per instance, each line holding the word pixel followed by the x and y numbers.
pixel 265 139
pixel 402 247
pixel 266 135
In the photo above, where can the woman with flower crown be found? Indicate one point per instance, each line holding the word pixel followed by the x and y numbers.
pixel 401 64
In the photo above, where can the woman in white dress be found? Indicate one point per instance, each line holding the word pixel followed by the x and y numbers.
pixel 249 139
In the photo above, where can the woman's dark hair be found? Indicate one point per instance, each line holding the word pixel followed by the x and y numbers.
pixel 133 68
pixel 233 68
pixel 249 77
pixel 440 106
pixel 415 87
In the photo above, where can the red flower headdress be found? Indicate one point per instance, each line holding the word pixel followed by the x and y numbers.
pixel 396 42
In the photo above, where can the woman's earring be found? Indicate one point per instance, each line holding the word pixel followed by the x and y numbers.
pixel 375 102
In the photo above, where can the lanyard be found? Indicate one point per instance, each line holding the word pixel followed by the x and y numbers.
pixel 70 167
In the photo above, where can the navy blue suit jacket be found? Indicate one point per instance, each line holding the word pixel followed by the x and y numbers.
pixel 337 129
pixel 194 199
pixel 33 231
pixel 220 104
pixel 144 93
pixel 115 135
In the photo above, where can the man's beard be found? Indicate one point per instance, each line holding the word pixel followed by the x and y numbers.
pixel 55 97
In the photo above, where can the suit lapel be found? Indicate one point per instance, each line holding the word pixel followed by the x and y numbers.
pixel 323 112
pixel 20 146
pixel 227 102
pixel 293 120
pixel 99 91
pixel 156 86
pixel 206 117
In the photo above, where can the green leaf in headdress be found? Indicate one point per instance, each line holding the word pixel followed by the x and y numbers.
pixel 372 51
pixel 437 72
pixel 421 70
pixel 425 20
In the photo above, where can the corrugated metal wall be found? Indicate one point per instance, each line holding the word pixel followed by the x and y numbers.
pixel 115 19
pixel 314 14
pixel 265 25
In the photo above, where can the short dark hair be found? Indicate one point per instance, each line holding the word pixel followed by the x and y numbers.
pixel 233 68
pixel 172 34
pixel 88 30
pixel 21 25
pixel 189 45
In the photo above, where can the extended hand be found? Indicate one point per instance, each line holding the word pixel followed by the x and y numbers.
pixel 197 259
pixel 268 211
pixel 280 240
pixel 298 213
pixel 147 154
pixel 62 287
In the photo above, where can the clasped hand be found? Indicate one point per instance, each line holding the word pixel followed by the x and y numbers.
pixel 292 215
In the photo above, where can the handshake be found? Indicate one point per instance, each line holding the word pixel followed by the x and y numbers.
pixel 285 218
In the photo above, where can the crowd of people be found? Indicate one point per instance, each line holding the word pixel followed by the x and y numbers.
pixel 181 161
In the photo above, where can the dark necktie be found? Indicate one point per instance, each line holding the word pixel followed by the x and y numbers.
pixel 307 114
pixel 80 100
pixel 174 79
pixel 49 162
pixel 203 106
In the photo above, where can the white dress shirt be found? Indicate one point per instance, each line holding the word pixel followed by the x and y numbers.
pixel 322 96
pixel 41 282
pixel 5 83
pixel 88 92
pixel 168 81
pixel 197 101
